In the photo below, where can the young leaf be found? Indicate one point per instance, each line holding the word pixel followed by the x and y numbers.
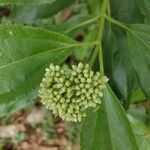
pixel 108 128
pixel 139 47
pixel 25 52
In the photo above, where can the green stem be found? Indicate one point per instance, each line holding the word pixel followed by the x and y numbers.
pixel 84 44
pixel 109 10
pixel 101 58
pixel 126 28
pixel 102 20
pixel 116 22
pixel 93 57
pixel 100 33
pixel 83 23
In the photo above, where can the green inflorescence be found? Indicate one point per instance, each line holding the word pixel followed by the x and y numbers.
pixel 68 93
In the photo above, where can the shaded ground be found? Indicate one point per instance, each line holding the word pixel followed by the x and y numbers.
pixel 37 129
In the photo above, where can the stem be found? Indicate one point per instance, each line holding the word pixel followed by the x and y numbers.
pixel 109 10
pixel 93 57
pixel 102 20
pixel 84 44
pixel 99 46
pixel 109 14
pixel 126 28
pixel 116 22
pixel 83 23
pixel 100 33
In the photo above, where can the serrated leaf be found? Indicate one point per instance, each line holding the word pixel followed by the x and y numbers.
pixel 25 52
pixel 139 47
pixel 108 128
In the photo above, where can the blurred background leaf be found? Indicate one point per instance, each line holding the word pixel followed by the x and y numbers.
pixel 29 14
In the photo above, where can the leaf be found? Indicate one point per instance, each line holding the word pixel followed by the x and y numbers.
pixel 126 11
pixel 24 14
pixel 72 22
pixel 25 52
pixel 108 128
pixel 94 6
pixel 137 95
pixel 123 73
pixel 142 133
pixel 117 59
pixel 28 14
pixel 52 9
pixel 85 51
pixel 144 6
pixel 25 2
pixel 139 111
pixel 5 108
pixel 139 48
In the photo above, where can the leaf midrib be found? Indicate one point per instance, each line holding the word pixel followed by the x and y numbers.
pixel 26 58
pixel 109 126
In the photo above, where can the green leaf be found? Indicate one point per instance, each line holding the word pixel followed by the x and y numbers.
pixel 70 23
pixel 25 2
pixel 118 63
pixel 25 52
pixel 85 51
pixel 144 6
pixel 24 14
pixel 126 11
pixel 29 14
pixel 94 6
pixel 53 8
pixel 142 133
pixel 137 95
pixel 108 128
pixel 139 47
pixel 122 71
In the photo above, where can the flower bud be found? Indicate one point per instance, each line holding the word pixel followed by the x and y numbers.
pixel 68 93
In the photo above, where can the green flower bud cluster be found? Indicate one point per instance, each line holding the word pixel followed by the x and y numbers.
pixel 68 93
